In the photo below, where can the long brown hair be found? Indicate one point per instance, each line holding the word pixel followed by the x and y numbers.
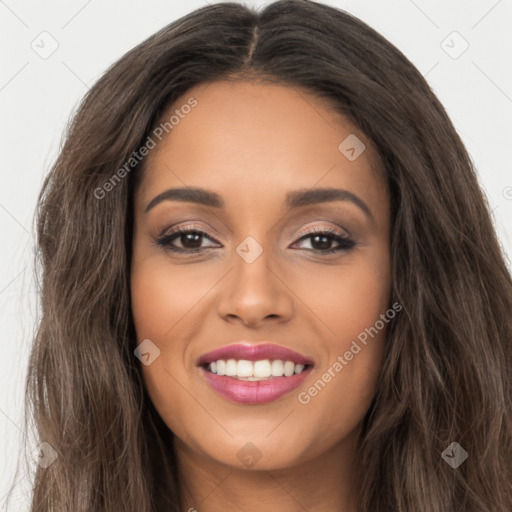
pixel 447 369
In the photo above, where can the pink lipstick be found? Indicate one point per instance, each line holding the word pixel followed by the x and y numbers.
pixel 254 374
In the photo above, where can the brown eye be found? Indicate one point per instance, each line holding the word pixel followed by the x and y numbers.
pixel 323 241
pixel 190 240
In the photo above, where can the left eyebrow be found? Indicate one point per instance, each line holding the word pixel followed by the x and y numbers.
pixel 304 197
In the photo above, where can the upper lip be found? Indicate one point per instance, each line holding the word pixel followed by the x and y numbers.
pixel 254 352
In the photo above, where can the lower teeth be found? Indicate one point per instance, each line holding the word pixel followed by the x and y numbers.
pixel 254 378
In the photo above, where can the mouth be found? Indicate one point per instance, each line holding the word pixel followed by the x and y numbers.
pixel 254 374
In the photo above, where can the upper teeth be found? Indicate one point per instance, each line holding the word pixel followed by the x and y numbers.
pixel 255 370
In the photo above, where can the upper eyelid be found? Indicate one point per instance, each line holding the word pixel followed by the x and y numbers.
pixel 325 229
pixel 306 231
pixel 187 227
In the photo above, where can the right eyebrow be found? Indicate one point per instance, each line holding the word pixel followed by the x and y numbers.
pixel 188 194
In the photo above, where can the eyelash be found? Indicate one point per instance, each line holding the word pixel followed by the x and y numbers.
pixel 345 243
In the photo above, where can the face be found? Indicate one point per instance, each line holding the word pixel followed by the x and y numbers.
pixel 268 255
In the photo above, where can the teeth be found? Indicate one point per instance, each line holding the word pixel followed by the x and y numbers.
pixel 298 368
pixel 262 368
pixel 244 368
pixel 277 368
pixel 230 368
pixel 221 367
pixel 289 369
pixel 255 370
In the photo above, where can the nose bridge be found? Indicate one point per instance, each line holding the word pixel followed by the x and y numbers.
pixel 252 272
pixel 255 292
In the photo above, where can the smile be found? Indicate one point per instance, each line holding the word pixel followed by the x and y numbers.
pixel 254 374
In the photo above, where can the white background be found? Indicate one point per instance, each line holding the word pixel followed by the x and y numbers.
pixel 38 95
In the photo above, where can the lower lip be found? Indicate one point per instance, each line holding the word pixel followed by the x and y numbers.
pixel 254 392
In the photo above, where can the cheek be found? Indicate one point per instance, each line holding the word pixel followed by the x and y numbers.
pixel 347 299
pixel 161 296
pixel 350 312
pixel 362 297
pixel 162 299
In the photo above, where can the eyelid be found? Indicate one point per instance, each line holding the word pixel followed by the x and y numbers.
pixel 179 226
pixel 324 229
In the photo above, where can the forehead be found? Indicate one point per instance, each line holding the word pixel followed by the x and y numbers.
pixel 250 142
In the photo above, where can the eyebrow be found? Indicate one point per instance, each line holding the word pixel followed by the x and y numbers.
pixel 294 199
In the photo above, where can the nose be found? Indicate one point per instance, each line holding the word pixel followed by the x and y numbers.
pixel 255 293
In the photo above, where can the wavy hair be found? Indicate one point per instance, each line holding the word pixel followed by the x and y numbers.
pixel 448 359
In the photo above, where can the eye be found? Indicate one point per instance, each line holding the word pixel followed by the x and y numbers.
pixel 321 241
pixel 189 239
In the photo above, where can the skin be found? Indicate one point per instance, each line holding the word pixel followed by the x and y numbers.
pixel 252 143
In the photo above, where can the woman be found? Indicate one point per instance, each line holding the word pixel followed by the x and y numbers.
pixel 270 281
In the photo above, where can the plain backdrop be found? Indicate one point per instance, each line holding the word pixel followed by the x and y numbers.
pixel 38 93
